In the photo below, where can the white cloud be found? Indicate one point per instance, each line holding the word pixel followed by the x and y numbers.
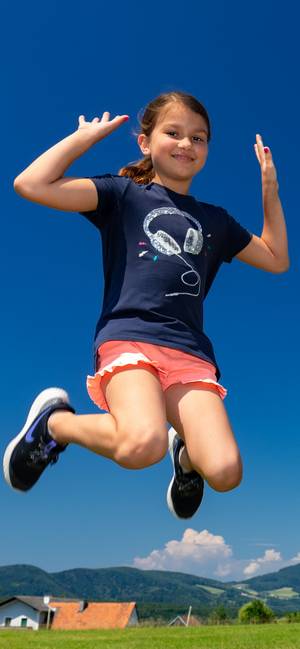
pixel 251 569
pixel 208 555
pixel 266 562
pixel 196 550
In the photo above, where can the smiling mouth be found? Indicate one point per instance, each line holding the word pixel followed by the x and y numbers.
pixel 183 157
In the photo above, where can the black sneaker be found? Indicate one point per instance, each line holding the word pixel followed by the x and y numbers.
pixel 30 452
pixel 185 490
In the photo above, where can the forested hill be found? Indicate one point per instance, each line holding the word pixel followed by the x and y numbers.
pixel 286 577
pixel 281 590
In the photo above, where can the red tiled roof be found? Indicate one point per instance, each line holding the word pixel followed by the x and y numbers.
pixel 97 615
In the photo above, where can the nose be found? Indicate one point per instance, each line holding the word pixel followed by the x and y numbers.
pixel 185 143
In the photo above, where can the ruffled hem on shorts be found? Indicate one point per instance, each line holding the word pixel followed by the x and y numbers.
pixel 221 390
pixel 95 391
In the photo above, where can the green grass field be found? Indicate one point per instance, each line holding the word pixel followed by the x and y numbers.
pixel 283 593
pixel 270 636
pixel 212 590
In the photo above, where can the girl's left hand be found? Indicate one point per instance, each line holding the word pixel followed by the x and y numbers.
pixel 264 156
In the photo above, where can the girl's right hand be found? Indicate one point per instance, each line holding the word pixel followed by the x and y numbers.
pixel 100 128
pixel 44 181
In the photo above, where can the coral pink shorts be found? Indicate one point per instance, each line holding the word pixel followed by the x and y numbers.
pixel 169 365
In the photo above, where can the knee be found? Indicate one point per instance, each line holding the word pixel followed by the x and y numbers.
pixel 225 476
pixel 141 450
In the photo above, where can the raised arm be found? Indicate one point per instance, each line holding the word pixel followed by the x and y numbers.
pixel 270 250
pixel 44 182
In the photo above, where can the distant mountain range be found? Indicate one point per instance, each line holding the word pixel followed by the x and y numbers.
pixel 157 592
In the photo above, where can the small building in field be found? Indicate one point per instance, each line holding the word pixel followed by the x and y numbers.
pixel 56 613
pixel 24 612
pixel 185 620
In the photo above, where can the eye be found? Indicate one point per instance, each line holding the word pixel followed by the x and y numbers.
pixel 200 139
pixel 196 138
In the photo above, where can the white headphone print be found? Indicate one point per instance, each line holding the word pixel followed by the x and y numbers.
pixel 166 245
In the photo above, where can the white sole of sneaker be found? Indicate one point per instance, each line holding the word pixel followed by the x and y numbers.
pixel 39 404
pixel 171 434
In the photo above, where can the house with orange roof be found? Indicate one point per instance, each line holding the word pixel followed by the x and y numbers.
pixel 56 613
pixel 93 615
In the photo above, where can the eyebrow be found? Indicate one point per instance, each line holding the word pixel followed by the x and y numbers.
pixel 197 130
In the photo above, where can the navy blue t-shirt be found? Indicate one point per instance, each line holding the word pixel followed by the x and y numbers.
pixel 161 251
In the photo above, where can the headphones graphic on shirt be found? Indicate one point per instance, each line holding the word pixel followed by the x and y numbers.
pixel 166 245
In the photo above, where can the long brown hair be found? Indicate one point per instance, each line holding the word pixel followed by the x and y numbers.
pixel 141 171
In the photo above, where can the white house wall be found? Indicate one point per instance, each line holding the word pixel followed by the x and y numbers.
pixel 133 620
pixel 16 610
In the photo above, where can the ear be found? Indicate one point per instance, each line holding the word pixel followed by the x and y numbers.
pixel 143 143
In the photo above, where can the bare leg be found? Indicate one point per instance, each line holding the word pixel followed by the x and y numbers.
pixel 95 432
pixel 201 420
pixel 134 433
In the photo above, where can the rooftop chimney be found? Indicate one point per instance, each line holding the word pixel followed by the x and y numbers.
pixel 83 605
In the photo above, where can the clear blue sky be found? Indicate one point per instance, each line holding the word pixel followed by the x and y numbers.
pixel 65 59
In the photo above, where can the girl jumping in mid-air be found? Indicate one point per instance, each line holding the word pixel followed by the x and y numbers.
pixel 161 249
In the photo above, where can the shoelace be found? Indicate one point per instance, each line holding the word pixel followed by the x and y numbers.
pixel 41 455
pixel 184 482
pixel 186 485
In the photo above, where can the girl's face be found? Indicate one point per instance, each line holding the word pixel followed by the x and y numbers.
pixel 178 147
